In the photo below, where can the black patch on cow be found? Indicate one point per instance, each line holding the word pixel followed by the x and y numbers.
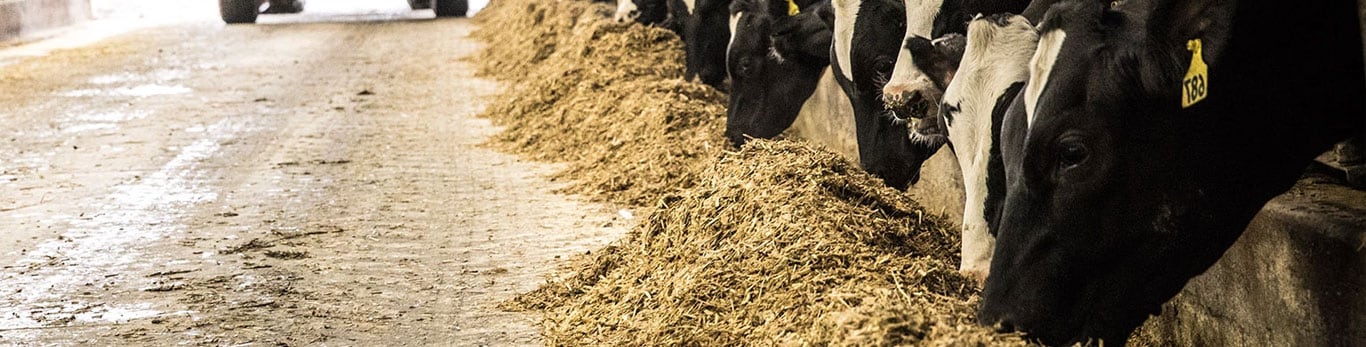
pixel 938 59
pixel 949 111
pixel 652 11
pixel 996 179
pixel 705 34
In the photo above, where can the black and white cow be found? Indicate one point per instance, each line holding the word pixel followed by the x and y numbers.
pixel 863 52
pixel 776 60
pixel 704 27
pixel 642 11
pixel 1148 136
pixel 980 74
pixel 910 93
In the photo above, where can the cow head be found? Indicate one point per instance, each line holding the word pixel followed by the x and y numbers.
pixel 775 60
pixel 642 11
pixel 981 74
pixel 863 56
pixel 702 24
pixel 1103 220
pixel 911 94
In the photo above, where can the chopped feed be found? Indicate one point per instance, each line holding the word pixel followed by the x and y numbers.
pixel 607 98
pixel 777 243
pixel 780 243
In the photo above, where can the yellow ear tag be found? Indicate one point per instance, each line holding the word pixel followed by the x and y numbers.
pixel 792 8
pixel 1196 84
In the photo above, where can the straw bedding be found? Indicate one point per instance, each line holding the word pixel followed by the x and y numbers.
pixel 778 243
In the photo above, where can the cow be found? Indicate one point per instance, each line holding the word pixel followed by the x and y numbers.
pixel 642 11
pixel 910 93
pixel 980 74
pixel 864 47
pixel 776 60
pixel 1148 136
pixel 704 27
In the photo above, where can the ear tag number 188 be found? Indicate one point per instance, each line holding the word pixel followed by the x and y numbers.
pixel 1195 86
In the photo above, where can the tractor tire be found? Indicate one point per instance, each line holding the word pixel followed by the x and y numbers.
pixel 239 11
pixel 420 4
pixel 451 8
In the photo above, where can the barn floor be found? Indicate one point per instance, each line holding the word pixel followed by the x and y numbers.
pixel 308 180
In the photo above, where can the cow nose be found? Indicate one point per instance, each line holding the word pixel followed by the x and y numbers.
pixel 999 317
pixel 1004 324
pixel 626 17
pixel 908 104
pixel 918 105
pixel 893 95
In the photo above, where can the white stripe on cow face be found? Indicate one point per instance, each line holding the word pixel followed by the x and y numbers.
pixel 846 13
pixel 734 24
pixel 1040 67
pixel 906 77
pixel 624 11
pixel 995 58
pixel 691 4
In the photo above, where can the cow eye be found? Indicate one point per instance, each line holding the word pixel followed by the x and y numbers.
pixel 1071 153
pixel 883 65
pixel 746 65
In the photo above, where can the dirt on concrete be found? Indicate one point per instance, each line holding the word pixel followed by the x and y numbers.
pixel 284 184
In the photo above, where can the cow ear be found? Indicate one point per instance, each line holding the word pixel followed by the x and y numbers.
pixel 937 61
pixel 952 47
pixel 827 15
pixel 1176 22
pixel 805 37
pixel 776 8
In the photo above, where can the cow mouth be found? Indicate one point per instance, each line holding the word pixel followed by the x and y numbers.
pixel 919 110
pixel 927 132
pixel 924 129
pixel 908 111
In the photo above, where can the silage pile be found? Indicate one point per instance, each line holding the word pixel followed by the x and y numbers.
pixel 778 243
pixel 606 98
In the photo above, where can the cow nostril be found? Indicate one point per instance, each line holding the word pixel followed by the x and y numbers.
pixel 892 96
pixel 917 104
pixel 919 110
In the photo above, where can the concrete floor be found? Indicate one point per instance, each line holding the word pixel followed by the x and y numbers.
pixel 316 179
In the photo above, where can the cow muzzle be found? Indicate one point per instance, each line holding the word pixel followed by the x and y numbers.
pixel 627 11
pixel 917 104
pixel 918 99
pixel 627 17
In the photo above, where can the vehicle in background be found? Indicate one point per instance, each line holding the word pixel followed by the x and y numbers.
pixel 245 11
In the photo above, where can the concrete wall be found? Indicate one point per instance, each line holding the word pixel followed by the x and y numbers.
pixel 1297 277
pixel 19 18
pixel 833 130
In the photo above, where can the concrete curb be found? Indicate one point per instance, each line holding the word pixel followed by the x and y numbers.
pixel 1297 277
pixel 20 18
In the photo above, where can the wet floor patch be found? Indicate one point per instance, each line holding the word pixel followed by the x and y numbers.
pixel 144 90
pixel 103 246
